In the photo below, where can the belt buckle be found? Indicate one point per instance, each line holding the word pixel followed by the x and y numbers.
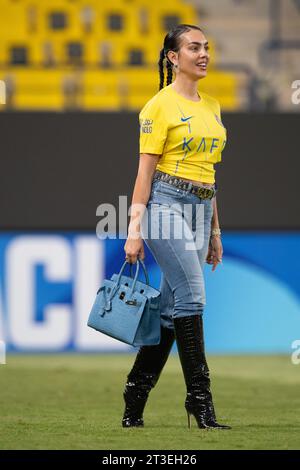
pixel 207 193
pixel 204 193
pixel 200 192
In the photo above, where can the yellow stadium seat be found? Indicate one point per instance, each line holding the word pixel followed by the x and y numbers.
pixel 176 14
pixel 103 11
pixel 141 85
pixel 13 21
pixel 223 86
pixel 101 90
pixel 70 24
pixel 40 90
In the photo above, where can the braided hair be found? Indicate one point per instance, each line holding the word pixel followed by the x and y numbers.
pixel 171 43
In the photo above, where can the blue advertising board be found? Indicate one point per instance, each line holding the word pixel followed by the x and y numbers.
pixel 49 282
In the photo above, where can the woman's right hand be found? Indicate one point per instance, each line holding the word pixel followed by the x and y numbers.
pixel 134 248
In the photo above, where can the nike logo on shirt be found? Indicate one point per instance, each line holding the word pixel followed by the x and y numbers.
pixel 186 119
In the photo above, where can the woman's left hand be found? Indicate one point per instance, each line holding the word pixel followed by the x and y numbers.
pixel 215 252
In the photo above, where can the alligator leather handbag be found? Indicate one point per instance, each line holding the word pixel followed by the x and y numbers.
pixel 128 309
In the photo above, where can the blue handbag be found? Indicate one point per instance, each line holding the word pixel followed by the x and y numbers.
pixel 127 309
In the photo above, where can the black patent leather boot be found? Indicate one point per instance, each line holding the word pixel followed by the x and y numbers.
pixel 190 344
pixel 211 419
pixel 143 376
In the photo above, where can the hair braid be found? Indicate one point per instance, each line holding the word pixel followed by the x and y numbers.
pixel 170 73
pixel 161 68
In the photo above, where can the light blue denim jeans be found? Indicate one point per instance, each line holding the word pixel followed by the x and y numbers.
pixel 176 228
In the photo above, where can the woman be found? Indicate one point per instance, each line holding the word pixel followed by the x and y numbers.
pixel 181 137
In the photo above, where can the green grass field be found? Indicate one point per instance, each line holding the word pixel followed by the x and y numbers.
pixel 75 402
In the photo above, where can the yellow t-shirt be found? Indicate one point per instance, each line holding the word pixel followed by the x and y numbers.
pixel 189 135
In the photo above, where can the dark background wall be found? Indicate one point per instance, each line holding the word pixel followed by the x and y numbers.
pixel 57 168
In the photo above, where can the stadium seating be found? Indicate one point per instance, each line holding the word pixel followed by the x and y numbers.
pixel 93 55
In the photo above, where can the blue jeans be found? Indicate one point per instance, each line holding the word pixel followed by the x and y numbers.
pixel 176 228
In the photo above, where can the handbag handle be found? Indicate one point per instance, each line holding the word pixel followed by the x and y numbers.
pixel 121 272
pixel 118 280
pixel 136 275
pixel 116 286
pixel 127 262
pixel 117 283
pixel 145 270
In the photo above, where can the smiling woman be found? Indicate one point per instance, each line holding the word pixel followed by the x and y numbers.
pixel 194 46
pixel 181 139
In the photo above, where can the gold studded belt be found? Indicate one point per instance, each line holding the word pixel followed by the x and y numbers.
pixel 200 191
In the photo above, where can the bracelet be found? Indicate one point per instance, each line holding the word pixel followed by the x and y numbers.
pixel 216 232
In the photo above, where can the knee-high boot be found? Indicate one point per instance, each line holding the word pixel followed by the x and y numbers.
pixel 190 344
pixel 143 376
